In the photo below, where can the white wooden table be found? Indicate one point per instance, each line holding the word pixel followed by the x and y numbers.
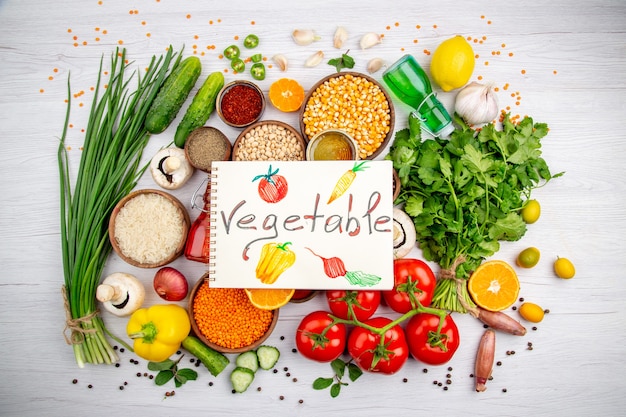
pixel 563 61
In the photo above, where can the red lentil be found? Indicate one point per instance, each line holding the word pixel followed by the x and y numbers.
pixel 226 317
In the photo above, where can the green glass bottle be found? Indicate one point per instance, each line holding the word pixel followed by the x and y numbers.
pixel 410 84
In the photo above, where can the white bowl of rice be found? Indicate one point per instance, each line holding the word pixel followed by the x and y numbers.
pixel 148 228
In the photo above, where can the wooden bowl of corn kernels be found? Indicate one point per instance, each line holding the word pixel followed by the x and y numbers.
pixel 225 320
pixel 355 103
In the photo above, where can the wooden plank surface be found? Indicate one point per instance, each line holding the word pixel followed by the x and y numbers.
pixel 563 61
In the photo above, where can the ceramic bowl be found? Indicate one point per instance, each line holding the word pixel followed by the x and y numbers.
pixel 206 340
pixel 234 107
pixel 345 76
pixel 166 258
pixel 262 133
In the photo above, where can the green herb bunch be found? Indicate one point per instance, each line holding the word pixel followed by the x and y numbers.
pixel 465 193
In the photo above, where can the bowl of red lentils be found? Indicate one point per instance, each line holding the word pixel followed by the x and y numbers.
pixel 240 103
pixel 269 140
pixel 225 319
pixel 355 103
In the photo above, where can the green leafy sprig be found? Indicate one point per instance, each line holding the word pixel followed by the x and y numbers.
pixel 168 369
pixel 336 382
pixel 345 61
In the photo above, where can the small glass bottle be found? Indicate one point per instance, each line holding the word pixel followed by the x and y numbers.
pixel 410 84
pixel 197 246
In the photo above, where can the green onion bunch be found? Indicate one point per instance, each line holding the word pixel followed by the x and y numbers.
pixel 109 169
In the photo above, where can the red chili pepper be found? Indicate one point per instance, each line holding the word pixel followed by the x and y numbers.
pixel 241 104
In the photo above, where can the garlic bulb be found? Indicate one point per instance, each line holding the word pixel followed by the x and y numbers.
pixel 341 35
pixel 477 103
pixel 370 39
pixel 304 36
pixel 314 60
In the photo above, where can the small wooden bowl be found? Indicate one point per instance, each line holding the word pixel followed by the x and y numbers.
pixel 304 296
pixel 226 89
pixel 179 247
pixel 253 128
pixel 389 135
pixel 205 340
pixel 205 145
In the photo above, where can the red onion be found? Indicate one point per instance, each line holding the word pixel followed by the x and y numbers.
pixel 170 284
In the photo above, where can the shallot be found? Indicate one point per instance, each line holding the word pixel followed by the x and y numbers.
pixel 170 284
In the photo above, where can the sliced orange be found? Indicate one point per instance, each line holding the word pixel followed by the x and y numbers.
pixel 269 299
pixel 286 94
pixel 494 285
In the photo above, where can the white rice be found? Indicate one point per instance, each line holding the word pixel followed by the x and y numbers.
pixel 149 228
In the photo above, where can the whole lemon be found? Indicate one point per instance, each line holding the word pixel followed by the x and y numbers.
pixel 453 63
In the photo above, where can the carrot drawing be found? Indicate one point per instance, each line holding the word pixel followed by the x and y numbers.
pixel 345 181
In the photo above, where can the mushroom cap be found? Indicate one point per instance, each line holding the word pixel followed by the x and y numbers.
pixel 170 168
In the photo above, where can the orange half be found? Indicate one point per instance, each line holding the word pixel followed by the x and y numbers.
pixel 286 95
pixel 269 299
pixel 494 285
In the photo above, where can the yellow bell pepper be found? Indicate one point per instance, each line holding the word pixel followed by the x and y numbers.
pixel 158 331
pixel 274 260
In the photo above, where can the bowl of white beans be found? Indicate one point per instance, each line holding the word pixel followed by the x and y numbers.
pixel 269 140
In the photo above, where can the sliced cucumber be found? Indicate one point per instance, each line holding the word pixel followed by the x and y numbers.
pixel 241 378
pixel 267 356
pixel 248 360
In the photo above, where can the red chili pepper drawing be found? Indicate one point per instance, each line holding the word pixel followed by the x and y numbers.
pixel 272 187
pixel 334 267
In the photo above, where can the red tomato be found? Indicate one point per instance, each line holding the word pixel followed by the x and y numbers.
pixel 272 187
pixel 310 342
pixel 424 345
pixel 366 350
pixel 364 303
pixel 421 285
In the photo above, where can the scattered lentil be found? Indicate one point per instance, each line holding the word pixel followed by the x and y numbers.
pixel 226 317
pixel 353 104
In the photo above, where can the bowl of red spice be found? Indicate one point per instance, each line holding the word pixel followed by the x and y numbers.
pixel 225 319
pixel 240 103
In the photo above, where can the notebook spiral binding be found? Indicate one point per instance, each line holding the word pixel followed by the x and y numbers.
pixel 212 219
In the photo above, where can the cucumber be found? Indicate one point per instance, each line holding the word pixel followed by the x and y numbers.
pixel 267 356
pixel 172 94
pixel 215 361
pixel 241 378
pixel 248 360
pixel 200 108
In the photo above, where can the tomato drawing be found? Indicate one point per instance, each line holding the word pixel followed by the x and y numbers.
pixel 272 187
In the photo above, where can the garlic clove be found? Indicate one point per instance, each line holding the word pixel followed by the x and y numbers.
pixel 341 35
pixel 314 60
pixel 370 39
pixel 304 37
pixel 477 103
pixel 375 64
pixel 281 61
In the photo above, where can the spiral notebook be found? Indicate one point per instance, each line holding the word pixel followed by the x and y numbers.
pixel 301 224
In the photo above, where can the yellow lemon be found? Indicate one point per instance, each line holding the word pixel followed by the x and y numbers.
pixel 453 63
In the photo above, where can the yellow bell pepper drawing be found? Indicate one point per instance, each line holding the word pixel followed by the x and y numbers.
pixel 275 258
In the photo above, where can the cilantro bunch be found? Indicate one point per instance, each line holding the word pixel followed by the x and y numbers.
pixel 464 194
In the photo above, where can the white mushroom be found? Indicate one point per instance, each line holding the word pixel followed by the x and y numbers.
pixel 170 168
pixel 121 294
pixel 404 234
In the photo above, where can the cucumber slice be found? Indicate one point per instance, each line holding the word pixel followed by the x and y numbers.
pixel 267 356
pixel 248 360
pixel 241 378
